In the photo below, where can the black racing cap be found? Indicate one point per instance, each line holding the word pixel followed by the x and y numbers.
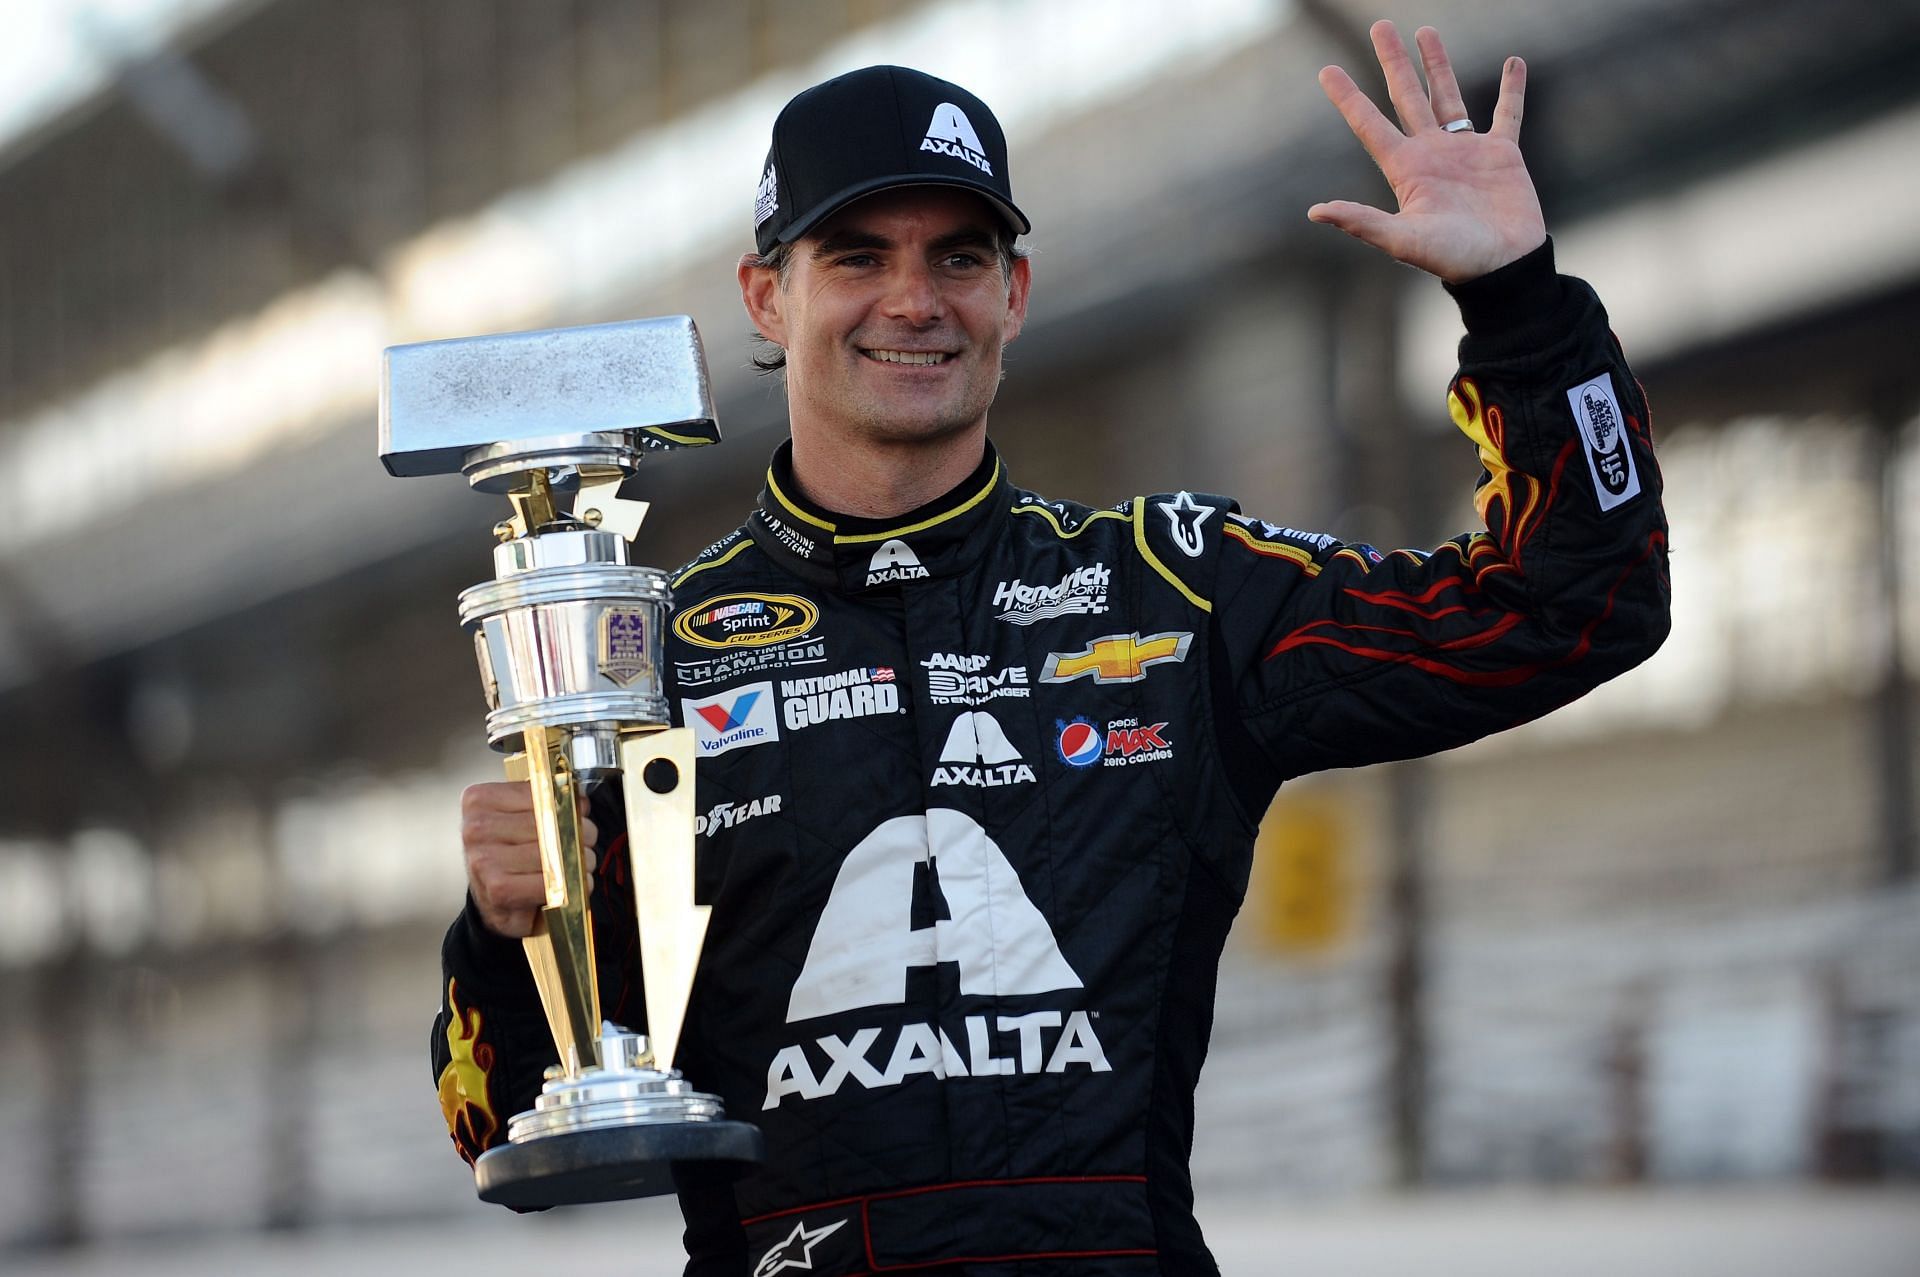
pixel 870 130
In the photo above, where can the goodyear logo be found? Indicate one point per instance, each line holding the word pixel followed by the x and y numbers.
pixel 746 620
pixel 1117 658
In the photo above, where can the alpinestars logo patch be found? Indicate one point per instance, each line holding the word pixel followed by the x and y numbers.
pixel 951 133
pixel 1184 518
pixel 796 1251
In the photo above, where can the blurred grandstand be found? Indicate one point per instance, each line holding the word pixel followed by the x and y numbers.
pixel 1669 936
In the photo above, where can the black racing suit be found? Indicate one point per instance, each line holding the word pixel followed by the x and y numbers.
pixel 978 794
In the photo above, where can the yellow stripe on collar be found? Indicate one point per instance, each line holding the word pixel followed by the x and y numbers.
pixel 888 535
pixel 793 509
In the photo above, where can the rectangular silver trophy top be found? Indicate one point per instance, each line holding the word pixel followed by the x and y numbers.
pixel 637 385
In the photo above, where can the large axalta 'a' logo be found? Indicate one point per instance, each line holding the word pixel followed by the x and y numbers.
pixel 746 620
pixel 865 944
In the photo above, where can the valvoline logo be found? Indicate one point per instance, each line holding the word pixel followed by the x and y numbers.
pixel 733 719
pixel 1080 743
pixel 726 716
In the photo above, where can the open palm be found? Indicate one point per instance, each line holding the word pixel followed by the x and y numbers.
pixel 1467 204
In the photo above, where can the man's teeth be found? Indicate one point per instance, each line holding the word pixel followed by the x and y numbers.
pixel 907 356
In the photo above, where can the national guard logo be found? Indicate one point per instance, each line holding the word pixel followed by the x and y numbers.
pixel 746 620
pixel 623 645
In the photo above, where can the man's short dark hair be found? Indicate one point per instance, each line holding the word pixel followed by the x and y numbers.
pixel 773 358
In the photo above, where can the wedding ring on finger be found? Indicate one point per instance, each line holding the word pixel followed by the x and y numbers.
pixel 1461 125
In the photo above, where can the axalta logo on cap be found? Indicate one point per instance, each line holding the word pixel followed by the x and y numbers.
pixel 951 133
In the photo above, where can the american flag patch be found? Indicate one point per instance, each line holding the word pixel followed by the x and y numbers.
pixel 880 674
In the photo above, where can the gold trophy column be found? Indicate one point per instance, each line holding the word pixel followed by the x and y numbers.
pixel 658 767
pixel 560 950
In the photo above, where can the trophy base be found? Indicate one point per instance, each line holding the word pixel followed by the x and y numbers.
pixel 612 1131
pixel 611 1163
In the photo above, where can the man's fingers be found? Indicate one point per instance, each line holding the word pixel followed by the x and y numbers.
pixel 1513 100
pixel 1403 82
pixel 1376 133
pixel 508 900
pixel 1443 91
pixel 1362 221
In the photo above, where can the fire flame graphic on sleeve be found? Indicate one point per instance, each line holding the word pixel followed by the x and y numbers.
pixel 1509 502
pixel 464 1094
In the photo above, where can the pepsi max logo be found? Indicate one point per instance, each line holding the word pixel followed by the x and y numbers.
pixel 1080 743
pixel 1125 741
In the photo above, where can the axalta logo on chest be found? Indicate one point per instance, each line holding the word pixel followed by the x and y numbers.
pixel 895 561
pixel 1037 1042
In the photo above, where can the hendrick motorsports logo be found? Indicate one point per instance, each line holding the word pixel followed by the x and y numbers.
pixel 746 620
pixel 1082 591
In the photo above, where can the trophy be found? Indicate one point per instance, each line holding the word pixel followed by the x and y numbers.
pixel 569 636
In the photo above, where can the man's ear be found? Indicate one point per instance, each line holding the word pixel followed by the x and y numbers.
pixel 760 294
pixel 1019 286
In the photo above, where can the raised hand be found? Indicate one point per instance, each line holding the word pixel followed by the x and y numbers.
pixel 1467 205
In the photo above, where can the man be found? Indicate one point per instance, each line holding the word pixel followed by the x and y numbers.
pixel 980 792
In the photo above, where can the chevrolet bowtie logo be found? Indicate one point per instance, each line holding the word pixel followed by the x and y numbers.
pixel 1118 658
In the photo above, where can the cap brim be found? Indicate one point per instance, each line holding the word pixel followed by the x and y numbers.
pixel 826 208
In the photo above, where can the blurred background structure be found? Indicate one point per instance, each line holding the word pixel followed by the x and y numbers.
pixel 1668 937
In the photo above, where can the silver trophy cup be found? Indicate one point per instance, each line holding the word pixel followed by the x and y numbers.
pixel 569 636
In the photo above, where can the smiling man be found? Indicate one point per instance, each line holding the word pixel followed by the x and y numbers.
pixel 981 771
